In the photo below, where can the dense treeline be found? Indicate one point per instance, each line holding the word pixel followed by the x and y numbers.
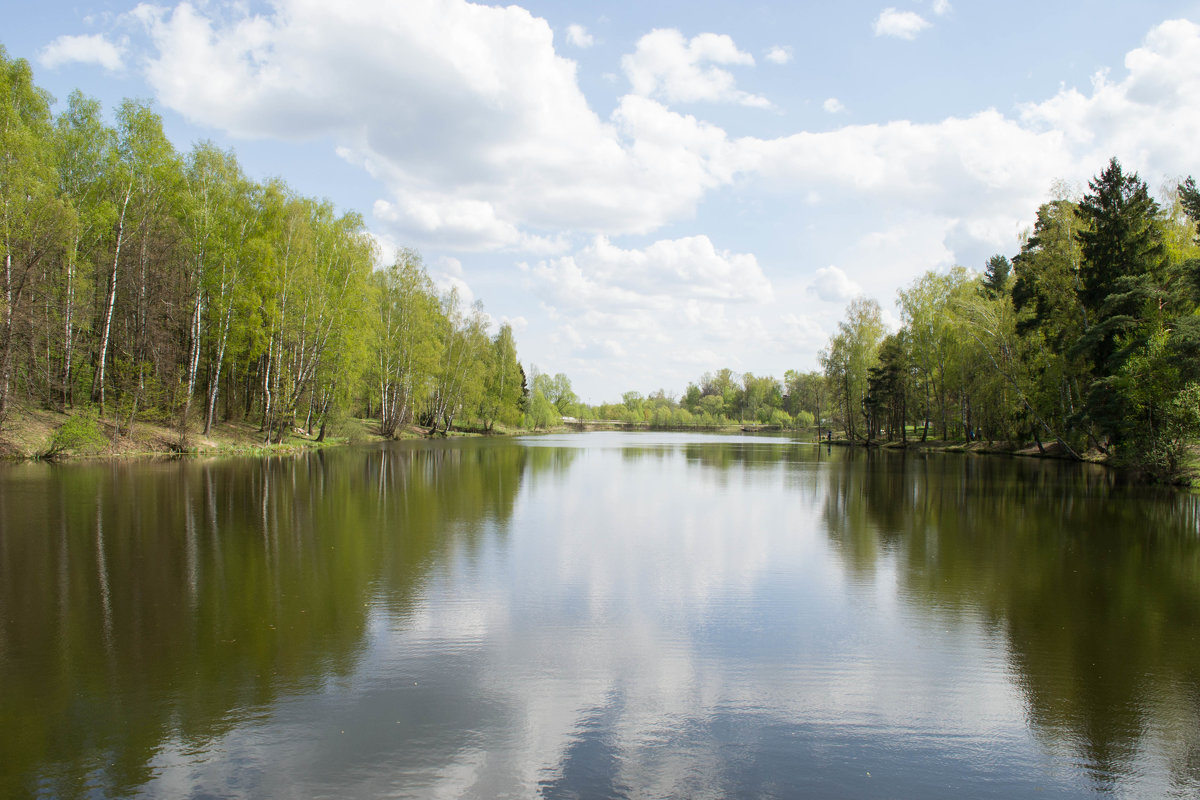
pixel 1087 339
pixel 141 283
pixel 721 399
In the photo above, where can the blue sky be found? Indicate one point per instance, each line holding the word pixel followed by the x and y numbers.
pixel 650 191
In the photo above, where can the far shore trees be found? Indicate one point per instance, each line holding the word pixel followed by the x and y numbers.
pixel 138 283
pixel 851 354
pixel 1088 338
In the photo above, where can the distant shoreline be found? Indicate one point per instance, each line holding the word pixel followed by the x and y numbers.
pixel 28 436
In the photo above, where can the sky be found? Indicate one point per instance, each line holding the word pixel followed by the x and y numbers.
pixel 650 191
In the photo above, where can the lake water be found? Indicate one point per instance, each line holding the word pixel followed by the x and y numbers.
pixel 597 615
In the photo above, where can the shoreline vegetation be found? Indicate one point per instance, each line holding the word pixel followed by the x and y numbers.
pixel 159 302
pixel 38 436
pixel 1085 345
pixel 151 299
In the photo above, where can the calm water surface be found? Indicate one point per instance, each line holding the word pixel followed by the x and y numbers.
pixel 597 615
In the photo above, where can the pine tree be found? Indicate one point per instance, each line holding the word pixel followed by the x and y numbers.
pixel 995 276
pixel 1123 261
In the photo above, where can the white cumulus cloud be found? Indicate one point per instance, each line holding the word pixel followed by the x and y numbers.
pixel 518 323
pixel 679 70
pixel 779 54
pixel 804 332
pixel 834 286
pixel 665 272
pixel 484 140
pixel 899 24
pixel 88 49
pixel 448 276
pixel 673 299
pixel 1149 119
pixel 579 36
pixel 465 112
pixel 833 106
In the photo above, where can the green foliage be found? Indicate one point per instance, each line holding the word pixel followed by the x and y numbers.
pixel 1189 197
pixel 1158 414
pixel 1123 260
pixel 807 396
pixel 80 434
pixel 406 343
pixel 503 393
pixel 542 413
pixel 1088 338
pixel 995 276
pixel 557 390
pixel 888 389
pixel 851 353
pixel 1170 454
pixel 156 282
pixel 1093 339
pixel 35 222
pixel 1044 291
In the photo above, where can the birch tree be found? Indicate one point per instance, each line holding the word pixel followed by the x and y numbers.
pixel 408 347
pixel 83 146
pixel 502 388
pixel 226 255
pixel 852 351
pixel 327 261
pixel 460 374
pixel 34 222
pixel 145 173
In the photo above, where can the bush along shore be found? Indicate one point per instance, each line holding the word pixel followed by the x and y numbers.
pixel 42 435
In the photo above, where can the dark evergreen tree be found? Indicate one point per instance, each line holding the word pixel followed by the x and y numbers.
pixel 1139 338
pixel 1188 276
pixel 886 403
pixel 1189 195
pixel 523 403
pixel 1123 262
pixel 995 276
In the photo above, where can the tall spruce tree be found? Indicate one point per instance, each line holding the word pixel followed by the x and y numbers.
pixel 995 276
pixel 1189 195
pixel 1123 261
pixel 1126 291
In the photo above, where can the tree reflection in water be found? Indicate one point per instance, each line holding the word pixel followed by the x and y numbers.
pixel 177 599
pixel 652 602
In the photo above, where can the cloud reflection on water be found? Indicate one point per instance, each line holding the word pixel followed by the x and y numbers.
pixel 642 616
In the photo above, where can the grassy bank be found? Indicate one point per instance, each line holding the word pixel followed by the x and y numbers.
pixel 31 434
pixel 1047 450
pixel 36 434
pixel 40 434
